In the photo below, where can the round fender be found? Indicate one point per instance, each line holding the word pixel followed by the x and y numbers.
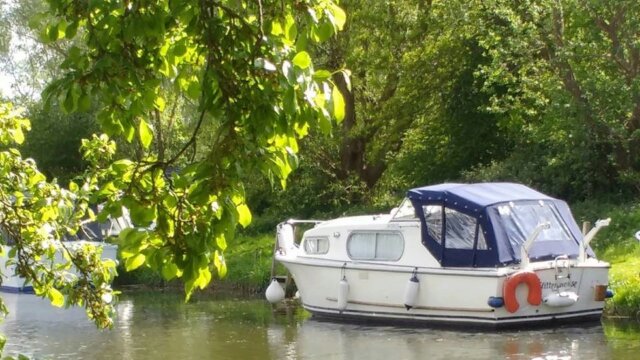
pixel 275 292
pixel 511 283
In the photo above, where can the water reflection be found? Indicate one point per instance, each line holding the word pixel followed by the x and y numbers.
pixel 156 325
pixel 349 341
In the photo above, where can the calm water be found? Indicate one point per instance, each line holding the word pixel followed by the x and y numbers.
pixel 161 326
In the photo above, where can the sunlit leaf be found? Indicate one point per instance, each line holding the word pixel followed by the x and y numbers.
pixel 134 262
pixel 340 17
pixel 56 297
pixel 244 215
pixel 221 242
pixel 146 133
pixel 321 75
pixel 159 103
pixel 302 60
pixel 338 104
pixel 18 135
pixel 169 271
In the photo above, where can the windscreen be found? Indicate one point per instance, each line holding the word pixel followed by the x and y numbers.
pixel 520 219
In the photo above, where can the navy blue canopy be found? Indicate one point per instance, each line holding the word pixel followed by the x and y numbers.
pixel 475 196
pixel 485 224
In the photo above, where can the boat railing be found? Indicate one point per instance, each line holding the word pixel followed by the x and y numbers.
pixel 524 250
pixel 284 243
pixel 285 235
pixel 589 236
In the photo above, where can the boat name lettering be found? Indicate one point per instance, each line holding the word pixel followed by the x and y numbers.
pixel 556 286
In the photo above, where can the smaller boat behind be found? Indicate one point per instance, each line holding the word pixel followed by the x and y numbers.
pixel 492 254
pixel 91 233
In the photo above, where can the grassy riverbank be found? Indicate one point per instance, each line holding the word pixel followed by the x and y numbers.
pixel 248 262
pixel 617 245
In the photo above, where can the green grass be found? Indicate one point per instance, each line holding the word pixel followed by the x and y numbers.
pixel 617 245
pixel 249 261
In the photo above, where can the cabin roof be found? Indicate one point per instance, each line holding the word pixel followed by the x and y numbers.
pixel 476 196
pixel 356 220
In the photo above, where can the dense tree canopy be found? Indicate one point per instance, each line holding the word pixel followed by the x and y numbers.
pixel 540 92
pixel 244 69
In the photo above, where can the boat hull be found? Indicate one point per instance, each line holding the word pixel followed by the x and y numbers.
pixel 16 284
pixel 451 296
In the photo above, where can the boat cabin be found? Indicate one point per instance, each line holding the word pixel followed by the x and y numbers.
pixel 486 224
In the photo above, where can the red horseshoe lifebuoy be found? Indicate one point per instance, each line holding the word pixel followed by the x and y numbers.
pixel 511 283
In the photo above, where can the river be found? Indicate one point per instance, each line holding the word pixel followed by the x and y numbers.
pixel 161 326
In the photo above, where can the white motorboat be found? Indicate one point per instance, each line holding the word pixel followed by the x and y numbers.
pixel 486 254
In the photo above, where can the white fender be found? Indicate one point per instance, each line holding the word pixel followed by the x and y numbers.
pixel 275 292
pixel 411 292
pixel 343 294
pixel 562 299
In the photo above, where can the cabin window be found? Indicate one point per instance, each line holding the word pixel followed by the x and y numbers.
pixel 316 245
pixel 433 218
pixel 383 246
pixel 461 230
pixel 482 242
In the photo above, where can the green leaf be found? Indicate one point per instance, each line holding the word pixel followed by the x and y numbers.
pixel 52 32
pixel 291 30
pixel 166 224
pixel 220 264
pixel 290 103
pixel 121 166
pixel 338 104
pixel 221 241
pixel 131 242
pixel 169 271
pixel 71 30
pixel 69 102
pixel 194 89
pixel 146 133
pixel 288 72
pixel 321 75
pixel 339 16
pixel 159 103
pixel 18 135
pixel 134 262
pixel 180 49
pixel 325 124
pixel 84 102
pixel 56 297
pixel 244 215
pixel 302 60
pixel 141 213
pixel 323 32
pixel 276 28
